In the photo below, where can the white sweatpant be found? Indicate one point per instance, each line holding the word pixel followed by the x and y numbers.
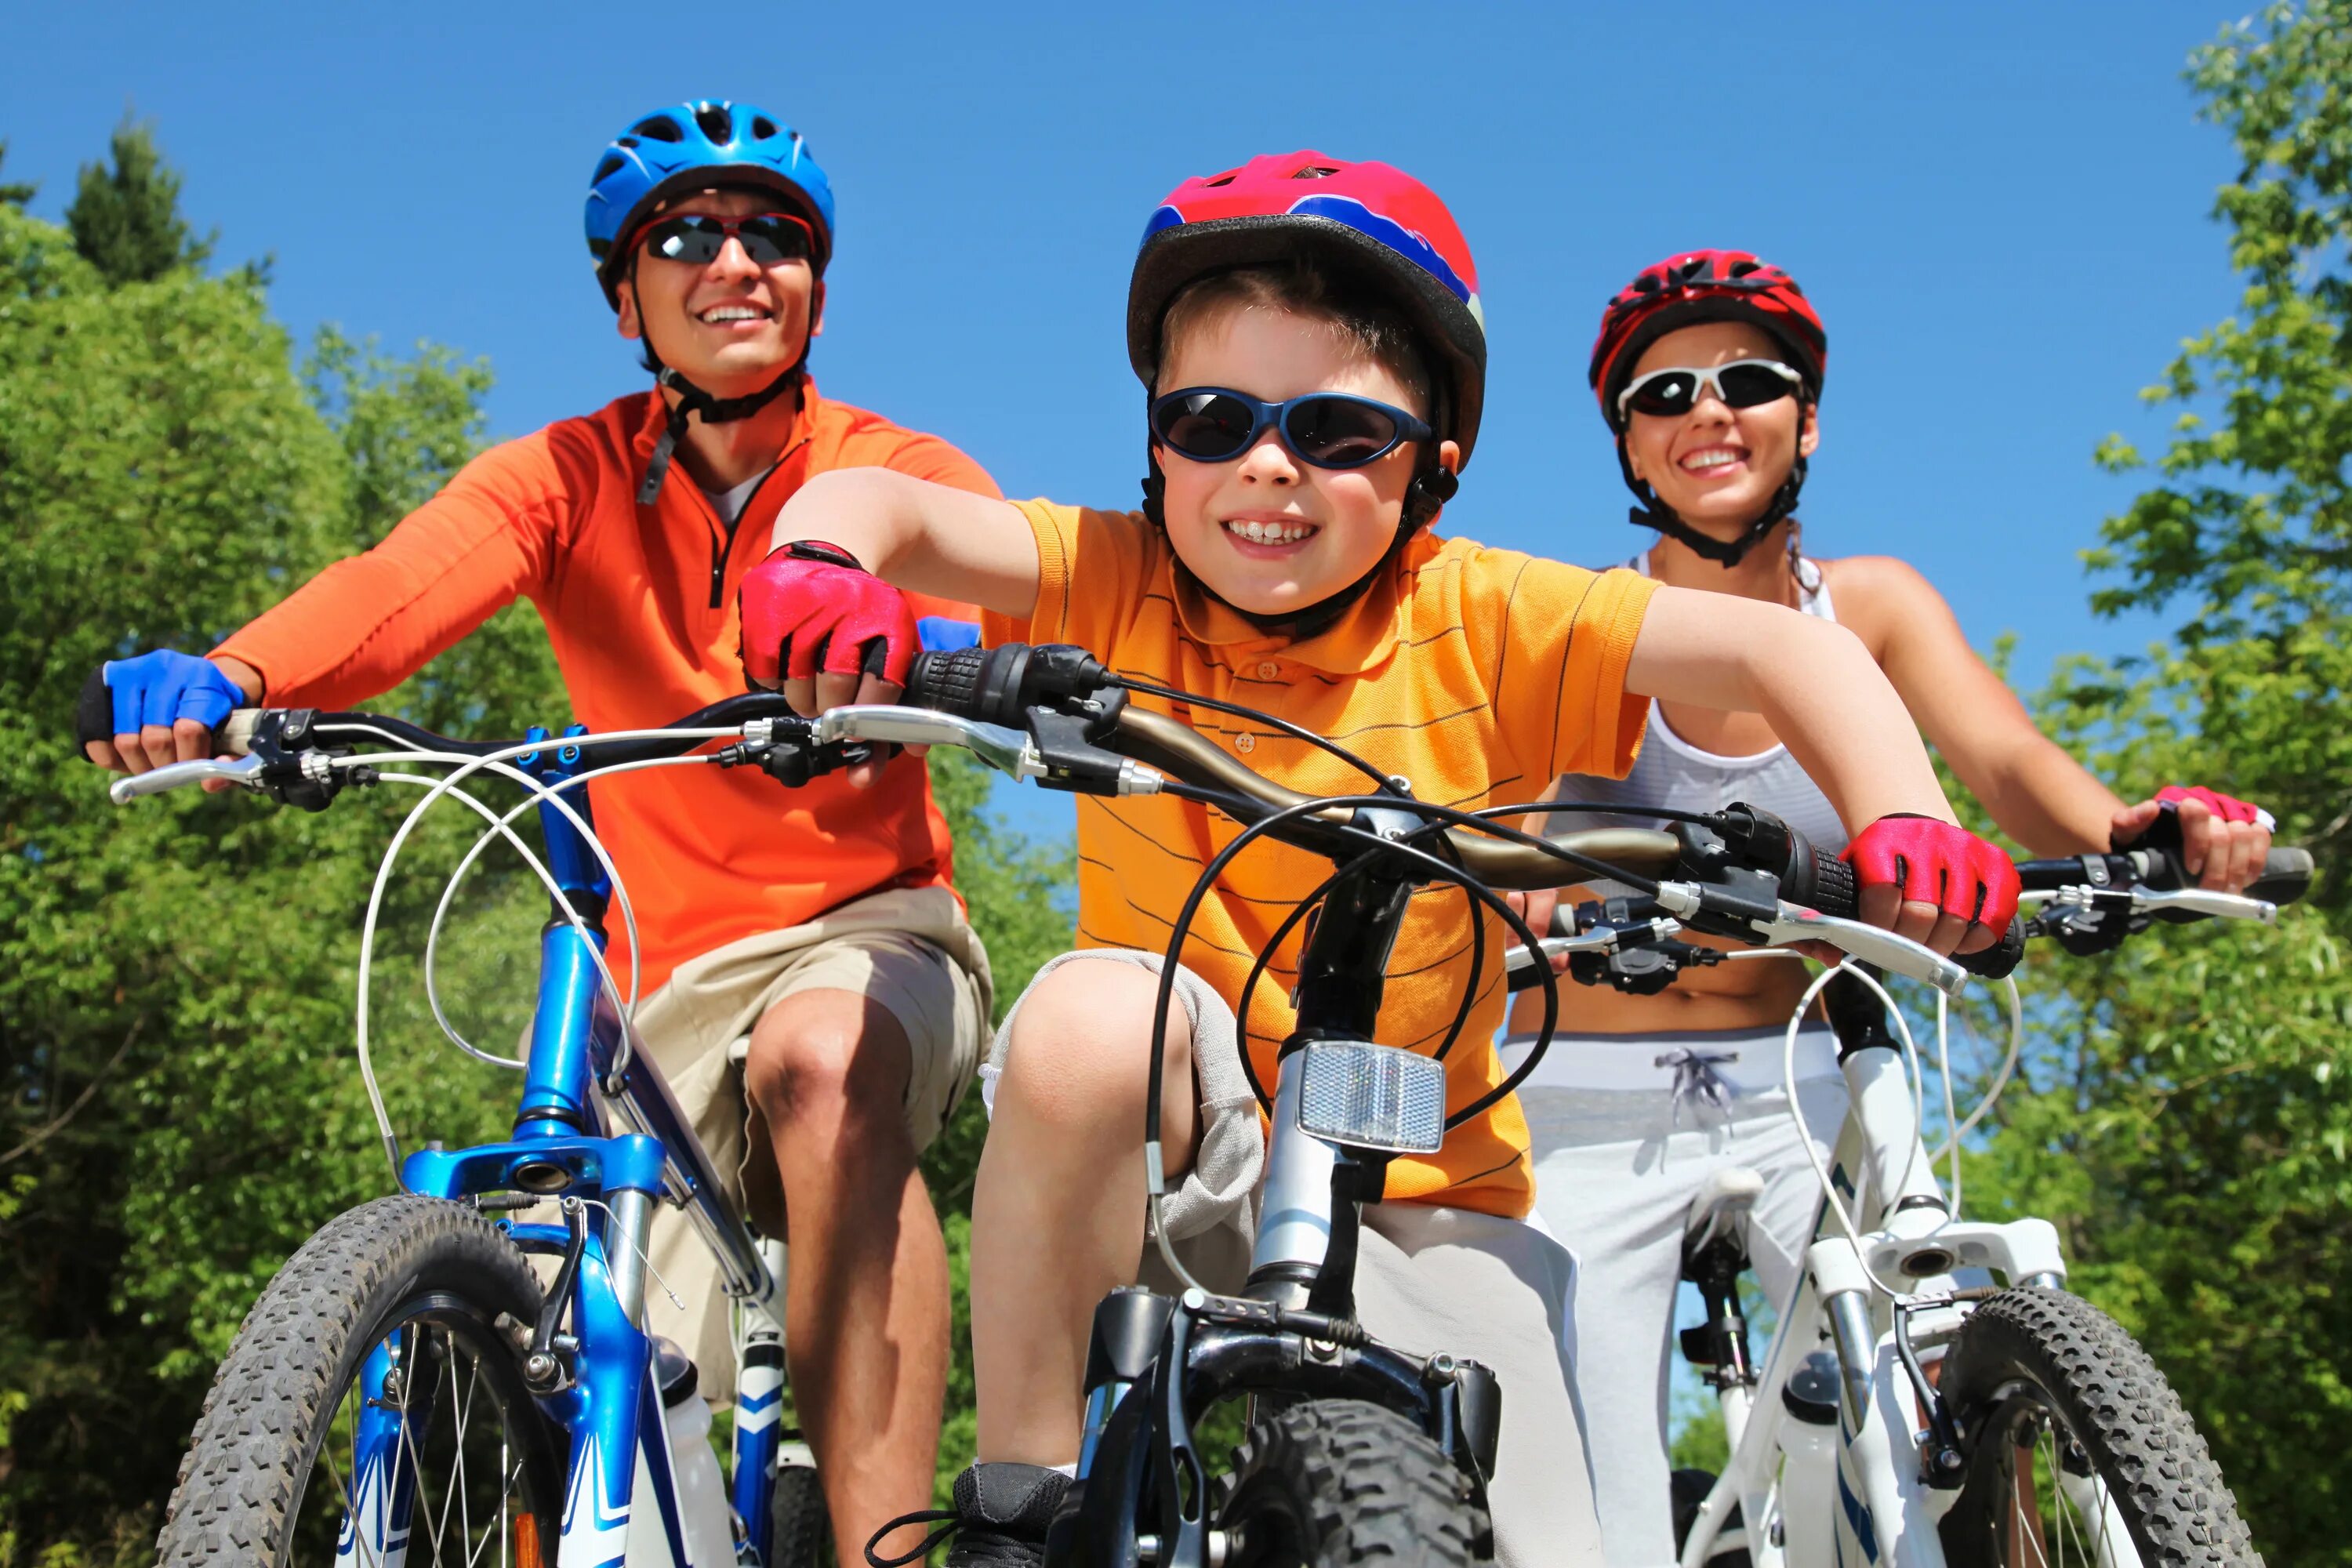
pixel 1615 1178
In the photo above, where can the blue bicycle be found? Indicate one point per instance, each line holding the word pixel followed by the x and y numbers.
pixel 407 1389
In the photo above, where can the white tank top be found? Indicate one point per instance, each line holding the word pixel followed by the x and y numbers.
pixel 1672 771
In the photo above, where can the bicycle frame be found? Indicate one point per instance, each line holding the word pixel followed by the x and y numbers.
pixel 1877 1505
pixel 596 1129
pixel 1155 1361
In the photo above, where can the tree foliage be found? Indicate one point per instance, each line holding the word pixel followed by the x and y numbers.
pixel 2193 1112
pixel 125 218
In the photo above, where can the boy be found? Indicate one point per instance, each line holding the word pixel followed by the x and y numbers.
pixel 1309 335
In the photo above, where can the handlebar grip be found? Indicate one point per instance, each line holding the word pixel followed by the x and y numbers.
pixel 1834 890
pixel 1994 962
pixel 948 682
pixel 2286 876
pixel 94 710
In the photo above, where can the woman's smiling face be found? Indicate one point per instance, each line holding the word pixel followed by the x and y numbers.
pixel 1715 466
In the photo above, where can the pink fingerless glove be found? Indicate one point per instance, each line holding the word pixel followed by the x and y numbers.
pixel 1937 863
pixel 811 607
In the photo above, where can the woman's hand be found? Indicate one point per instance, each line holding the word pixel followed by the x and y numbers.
pixel 1932 882
pixel 2223 842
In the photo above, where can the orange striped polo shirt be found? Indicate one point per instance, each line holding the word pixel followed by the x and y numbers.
pixel 1480 675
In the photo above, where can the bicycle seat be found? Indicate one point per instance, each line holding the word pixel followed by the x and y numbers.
pixel 1719 1210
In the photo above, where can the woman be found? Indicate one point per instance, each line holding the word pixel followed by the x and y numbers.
pixel 1708 369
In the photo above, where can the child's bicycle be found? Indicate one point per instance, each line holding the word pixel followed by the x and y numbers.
pixel 2044 1435
pixel 406 1390
pixel 1357 1451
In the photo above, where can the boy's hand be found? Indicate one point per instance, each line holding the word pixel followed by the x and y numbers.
pixel 829 630
pixel 1537 908
pixel 1932 882
pixel 2223 842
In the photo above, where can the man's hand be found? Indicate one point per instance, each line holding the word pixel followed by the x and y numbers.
pixel 164 707
pixel 2223 842
pixel 827 632
pixel 1932 882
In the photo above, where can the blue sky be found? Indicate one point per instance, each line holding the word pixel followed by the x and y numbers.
pixel 2000 210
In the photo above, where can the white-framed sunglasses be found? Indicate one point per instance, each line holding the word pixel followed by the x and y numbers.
pixel 1742 384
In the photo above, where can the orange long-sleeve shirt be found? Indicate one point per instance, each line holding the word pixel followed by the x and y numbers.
pixel 639 603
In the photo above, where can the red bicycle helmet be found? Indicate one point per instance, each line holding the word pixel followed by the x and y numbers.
pixel 1704 285
pixel 1685 290
pixel 1371 218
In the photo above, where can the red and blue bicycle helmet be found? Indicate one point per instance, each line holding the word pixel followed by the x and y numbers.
pixel 1684 290
pixel 1370 220
pixel 691 146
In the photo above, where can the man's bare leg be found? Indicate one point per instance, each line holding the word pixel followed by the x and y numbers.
pixel 866 1308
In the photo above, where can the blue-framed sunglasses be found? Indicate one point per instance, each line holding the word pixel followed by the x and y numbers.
pixel 1327 429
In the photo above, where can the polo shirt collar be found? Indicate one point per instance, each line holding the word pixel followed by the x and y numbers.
pixel 1362 639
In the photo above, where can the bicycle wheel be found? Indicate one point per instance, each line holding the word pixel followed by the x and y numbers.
pixel 801 1529
pixel 2076 1449
pixel 1339 1482
pixel 275 1473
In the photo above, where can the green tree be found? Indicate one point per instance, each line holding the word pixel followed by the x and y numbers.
pixel 16 193
pixel 125 219
pixel 2193 1124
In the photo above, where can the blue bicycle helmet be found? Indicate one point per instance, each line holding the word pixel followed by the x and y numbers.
pixel 682 148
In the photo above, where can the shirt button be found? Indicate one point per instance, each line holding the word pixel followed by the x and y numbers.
pixel 1245 742
pixel 1267 670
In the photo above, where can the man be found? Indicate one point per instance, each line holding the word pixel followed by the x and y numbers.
pixel 818 922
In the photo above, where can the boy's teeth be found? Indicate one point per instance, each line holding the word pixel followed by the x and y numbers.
pixel 732 313
pixel 1270 532
pixel 1714 459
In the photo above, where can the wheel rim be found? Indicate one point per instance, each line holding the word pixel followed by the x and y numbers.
pixel 2052 1509
pixel 455 1444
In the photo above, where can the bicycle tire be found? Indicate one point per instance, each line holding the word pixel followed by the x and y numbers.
pixel 2031 1360
pixel 1330 1483
pixel 800 1526
pixel 369 1273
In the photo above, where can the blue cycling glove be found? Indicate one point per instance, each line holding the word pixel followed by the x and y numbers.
pixel 163 686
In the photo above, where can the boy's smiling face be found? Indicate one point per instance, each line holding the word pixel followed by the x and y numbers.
pixel 1266 532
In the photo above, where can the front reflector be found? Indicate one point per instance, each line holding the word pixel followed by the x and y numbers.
pixel 1372 1096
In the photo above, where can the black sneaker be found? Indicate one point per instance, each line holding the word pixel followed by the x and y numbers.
pixel 999 1520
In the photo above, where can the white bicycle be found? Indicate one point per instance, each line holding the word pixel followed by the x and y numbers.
pixel 1899 1417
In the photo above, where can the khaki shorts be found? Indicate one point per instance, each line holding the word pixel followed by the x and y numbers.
pixel 908 950
pixel 1428 1279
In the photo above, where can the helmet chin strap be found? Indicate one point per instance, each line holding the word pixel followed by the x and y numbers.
pixel 692 400
pixel 1655 513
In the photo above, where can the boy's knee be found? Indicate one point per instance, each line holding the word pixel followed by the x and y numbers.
pixel 1076 1053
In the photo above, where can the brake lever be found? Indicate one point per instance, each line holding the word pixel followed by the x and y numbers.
pixel 1873 944
pixel 2203 901
pixel 1007 751
pixel 1600 939
pixel 245 773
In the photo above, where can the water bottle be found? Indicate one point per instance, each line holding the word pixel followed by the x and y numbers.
pixel 1809 1437
pixel 704 1511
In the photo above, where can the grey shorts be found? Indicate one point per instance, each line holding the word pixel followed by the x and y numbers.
pixel 1428 1279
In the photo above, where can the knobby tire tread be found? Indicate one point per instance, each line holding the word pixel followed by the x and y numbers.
pixel 295 1351
pixel 2140 1439
pixel 1368 1485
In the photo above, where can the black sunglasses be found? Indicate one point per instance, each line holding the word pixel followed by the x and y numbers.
pixel 1327 429
pixel 769 239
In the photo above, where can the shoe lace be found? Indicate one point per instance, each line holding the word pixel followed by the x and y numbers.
pixel 977 1544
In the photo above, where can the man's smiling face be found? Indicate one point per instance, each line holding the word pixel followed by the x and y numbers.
pixel 728 325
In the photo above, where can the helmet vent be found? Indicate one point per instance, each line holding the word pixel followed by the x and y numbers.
pixel 611 164
pixel 716 122
pixel 658 127
pixel 1742 269
pixel 763 127
pixel 1313 172
pixel 626 141
pixel 1224 179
